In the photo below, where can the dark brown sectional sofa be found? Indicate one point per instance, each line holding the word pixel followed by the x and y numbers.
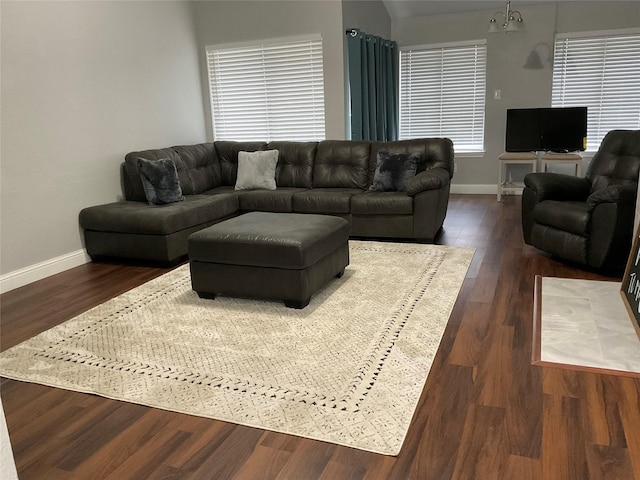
pixel 329 177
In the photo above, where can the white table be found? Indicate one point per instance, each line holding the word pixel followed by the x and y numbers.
pixel 513 158
pixel 562 158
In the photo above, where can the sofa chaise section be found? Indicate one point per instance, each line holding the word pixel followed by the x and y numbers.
pixel 135 230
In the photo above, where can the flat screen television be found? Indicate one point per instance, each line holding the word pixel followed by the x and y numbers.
pixel 560 129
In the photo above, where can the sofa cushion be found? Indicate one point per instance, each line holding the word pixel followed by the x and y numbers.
pixel 202 167
pixel 279 200
pixel 160 181
pixel 324 200
pixel 257 170
pixel 137 217
pixel 570 217
pixel 382 203
pixel 342 164
pixel 227 154
pixel 393 172
pixel 295 163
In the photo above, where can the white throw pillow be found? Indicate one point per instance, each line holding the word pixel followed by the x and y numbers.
pixel 257 170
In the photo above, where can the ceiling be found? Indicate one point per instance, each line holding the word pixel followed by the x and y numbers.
pixel 415 8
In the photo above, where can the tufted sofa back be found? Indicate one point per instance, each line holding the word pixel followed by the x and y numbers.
pixel 295 163
pixel 197 169
pixel 325 164
pixel 342 164
pixel 617 161
pixel 228 157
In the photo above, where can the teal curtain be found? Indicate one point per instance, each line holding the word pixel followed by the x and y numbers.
pixel 373 86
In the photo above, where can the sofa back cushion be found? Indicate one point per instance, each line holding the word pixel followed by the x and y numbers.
pixel 197 166
pixel 295 163
pixel 202 168
pixel 342 164
pixel 433 152
pixel 227 153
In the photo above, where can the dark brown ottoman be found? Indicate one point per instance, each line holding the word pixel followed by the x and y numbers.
pixel 283 256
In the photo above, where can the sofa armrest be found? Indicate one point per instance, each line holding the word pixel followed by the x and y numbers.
pixel 618 194
pixel 556 186
pixel 432 179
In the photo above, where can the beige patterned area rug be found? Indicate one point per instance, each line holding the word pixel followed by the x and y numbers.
pixel 348 369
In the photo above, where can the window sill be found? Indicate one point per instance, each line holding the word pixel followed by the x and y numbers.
pixel 469 154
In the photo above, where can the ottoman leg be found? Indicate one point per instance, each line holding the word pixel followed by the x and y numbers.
pixel 207 295
pixel 340 274
pixel 298 304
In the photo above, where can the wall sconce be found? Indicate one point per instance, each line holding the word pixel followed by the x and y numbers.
pixel 534 62
pixel 513 21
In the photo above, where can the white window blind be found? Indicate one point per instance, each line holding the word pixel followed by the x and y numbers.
pixel 602 72
pixel 442 93
pixel 273 91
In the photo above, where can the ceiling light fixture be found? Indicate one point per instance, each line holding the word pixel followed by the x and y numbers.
pixel 512 21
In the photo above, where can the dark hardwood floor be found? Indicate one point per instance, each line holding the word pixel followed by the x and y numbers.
pixel 485 412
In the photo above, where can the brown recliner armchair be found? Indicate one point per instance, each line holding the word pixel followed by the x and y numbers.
pixel 588 221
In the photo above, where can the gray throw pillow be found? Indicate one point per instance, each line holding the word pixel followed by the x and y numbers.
pixel 257 170
pixel 160 181
pixel 393 172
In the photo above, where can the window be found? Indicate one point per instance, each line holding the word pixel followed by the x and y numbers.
pixel 272 91
pixel 599 70
pixel 442 93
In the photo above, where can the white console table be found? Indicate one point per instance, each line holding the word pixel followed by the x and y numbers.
pixel 513 158
pixel 562 158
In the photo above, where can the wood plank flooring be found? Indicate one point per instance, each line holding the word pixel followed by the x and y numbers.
pixel 485 412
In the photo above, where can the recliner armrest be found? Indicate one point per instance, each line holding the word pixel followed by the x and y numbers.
pixel 619 194
pixel 432 179
pixel 557 186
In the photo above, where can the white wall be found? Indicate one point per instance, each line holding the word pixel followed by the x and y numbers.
pixel 221 22
pixel 506 55
pixel 370 16
pixel 82 84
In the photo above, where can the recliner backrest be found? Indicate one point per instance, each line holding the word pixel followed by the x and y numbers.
pixel 617 161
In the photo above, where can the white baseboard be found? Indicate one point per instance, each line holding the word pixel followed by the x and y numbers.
pixel 33 273
pixel 470 189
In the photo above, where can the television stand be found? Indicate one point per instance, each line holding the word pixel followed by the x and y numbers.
pixel 553 158
pixel 513 158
